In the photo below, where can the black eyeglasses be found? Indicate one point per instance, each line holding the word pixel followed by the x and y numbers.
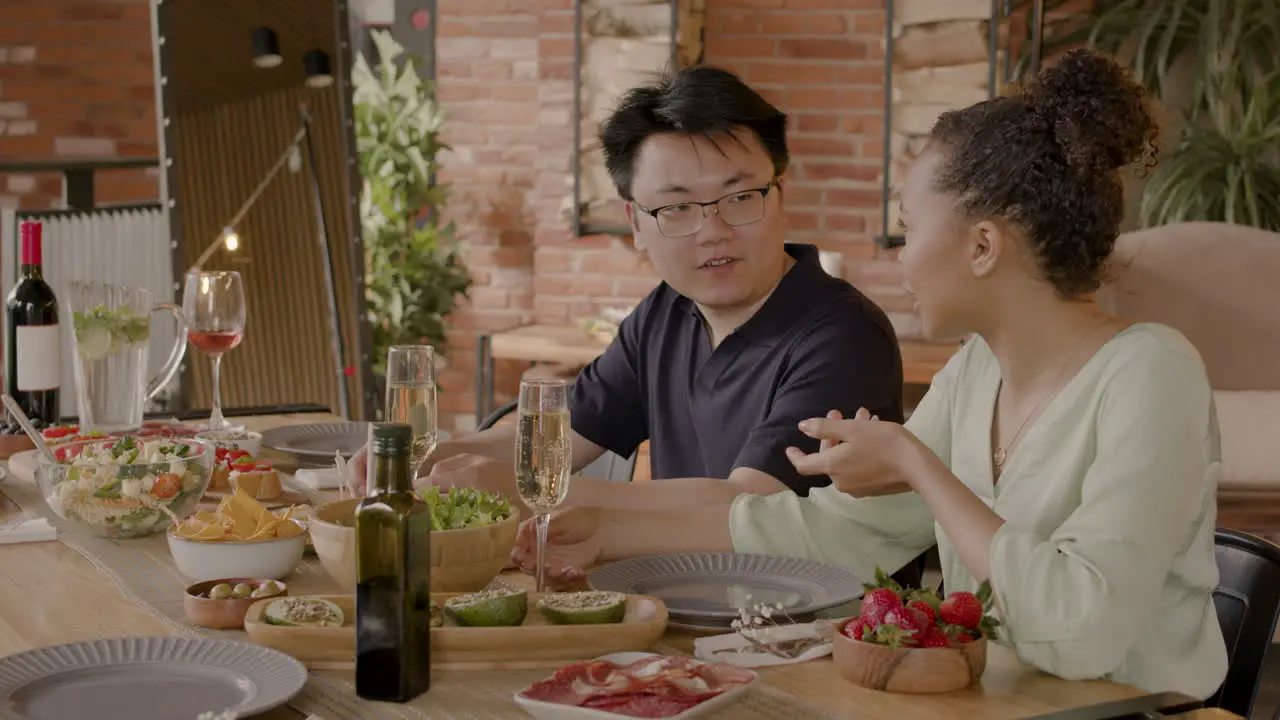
pixel 739 208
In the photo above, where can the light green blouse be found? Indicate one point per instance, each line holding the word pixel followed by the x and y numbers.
pixel 1105 563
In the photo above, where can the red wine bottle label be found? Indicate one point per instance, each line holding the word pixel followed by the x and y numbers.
pixel 39 351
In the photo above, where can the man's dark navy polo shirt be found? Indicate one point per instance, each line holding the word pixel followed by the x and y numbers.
pixel 817 344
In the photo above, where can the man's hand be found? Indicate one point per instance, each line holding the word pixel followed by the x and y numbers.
pixel 357 480
pixel 573 544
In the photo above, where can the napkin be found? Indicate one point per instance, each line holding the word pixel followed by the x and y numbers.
pixel 737 650
pixel 26 528
pixel 319 478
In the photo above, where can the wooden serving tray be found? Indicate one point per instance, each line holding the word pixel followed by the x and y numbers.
pixel 535 644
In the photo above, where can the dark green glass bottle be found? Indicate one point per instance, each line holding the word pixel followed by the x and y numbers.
pixel 393 575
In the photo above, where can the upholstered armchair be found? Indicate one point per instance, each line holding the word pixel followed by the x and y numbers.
pixel 1219 284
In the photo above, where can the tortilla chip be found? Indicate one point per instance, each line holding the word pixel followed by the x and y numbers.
pixel 239 518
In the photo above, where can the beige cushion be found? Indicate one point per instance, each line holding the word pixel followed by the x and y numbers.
pixel 1214 282
pixel 1247 422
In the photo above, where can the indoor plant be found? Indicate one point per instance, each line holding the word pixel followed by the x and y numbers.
pixel 1224 165
pixel 414 273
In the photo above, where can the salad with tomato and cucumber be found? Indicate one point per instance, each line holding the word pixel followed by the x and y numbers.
pixel 127 487
pixel 61 435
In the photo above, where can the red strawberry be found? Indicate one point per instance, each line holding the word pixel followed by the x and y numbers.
pixel 876 603
pixel 912 621
pixel 934 638
pixel 963 609
pixel 963 638
pixel 925 608
pixel 855 629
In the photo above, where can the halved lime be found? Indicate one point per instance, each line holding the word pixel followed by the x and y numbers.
pixel 590 607
pixel 303 612
pixel 489 608
pixel 93 341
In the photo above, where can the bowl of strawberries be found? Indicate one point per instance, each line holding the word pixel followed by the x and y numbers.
pixel 912 641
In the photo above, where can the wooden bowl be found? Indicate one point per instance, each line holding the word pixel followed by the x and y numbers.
pixel 909 670
pixel 467 560
pixel 461 560
pixel 222 614
pixel 11 445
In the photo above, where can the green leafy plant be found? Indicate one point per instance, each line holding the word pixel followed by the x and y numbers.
pixel 414 273
pixel 1225 165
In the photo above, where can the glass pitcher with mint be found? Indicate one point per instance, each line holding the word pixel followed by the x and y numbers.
pixel 112 328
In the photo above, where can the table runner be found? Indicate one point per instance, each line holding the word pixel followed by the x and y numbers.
pixel 143 570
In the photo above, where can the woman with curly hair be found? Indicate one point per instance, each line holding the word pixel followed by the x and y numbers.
pixel 1065 455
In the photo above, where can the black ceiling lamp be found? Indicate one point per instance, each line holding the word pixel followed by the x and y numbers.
pixel 319 72
pixel 266 48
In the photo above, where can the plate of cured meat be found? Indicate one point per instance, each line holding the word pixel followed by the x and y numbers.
pixel 636 685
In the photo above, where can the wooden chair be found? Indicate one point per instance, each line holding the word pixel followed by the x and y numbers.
pixel 1247 601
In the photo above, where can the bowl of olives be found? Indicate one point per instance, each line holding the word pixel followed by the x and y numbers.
pixel 222 604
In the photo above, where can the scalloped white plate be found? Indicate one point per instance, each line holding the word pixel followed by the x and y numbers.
pixel 318 441
pixel 555 711
pixel 708 589
pixel 158 678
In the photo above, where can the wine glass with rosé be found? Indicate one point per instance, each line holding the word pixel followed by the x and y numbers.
pixel 214 305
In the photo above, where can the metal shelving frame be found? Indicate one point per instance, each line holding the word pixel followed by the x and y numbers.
pixel 1000 10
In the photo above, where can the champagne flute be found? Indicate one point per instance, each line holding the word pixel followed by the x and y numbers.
pixel 213 303
pixel 544 456
pixel 411 397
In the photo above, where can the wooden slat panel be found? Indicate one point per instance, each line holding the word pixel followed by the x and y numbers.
pixel 624 43
pixel 223 152
pixel 959 85
pixel 919 12
pixel 954 43
pixel 910 119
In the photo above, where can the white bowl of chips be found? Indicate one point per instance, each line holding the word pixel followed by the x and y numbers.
pixel 241 538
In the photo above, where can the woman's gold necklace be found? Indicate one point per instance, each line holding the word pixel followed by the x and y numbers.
pixel 1000 454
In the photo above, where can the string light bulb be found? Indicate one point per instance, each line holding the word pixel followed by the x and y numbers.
pixel 230 239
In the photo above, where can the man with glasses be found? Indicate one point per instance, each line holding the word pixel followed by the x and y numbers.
pixel 744 337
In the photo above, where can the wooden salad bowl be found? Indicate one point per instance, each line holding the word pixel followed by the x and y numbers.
pixel 909 669
pixel 462 561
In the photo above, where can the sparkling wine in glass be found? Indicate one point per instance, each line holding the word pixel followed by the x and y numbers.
pixel 544 455
pixel 411 397
pixel 214 305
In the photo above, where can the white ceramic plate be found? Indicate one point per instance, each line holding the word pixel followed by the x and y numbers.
pixel 158 678
pixel 706 590
pixel 555 711
pixel 318 441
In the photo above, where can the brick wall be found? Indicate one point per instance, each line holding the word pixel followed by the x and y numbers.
pixel 75 79
pixel 504 77
pixel 76 82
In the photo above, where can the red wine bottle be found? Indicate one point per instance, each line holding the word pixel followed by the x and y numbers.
pixel 33 343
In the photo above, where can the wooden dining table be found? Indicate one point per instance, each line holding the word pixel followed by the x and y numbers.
pixel 51 594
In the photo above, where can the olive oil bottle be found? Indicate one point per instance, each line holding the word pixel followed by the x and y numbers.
pixel 393 575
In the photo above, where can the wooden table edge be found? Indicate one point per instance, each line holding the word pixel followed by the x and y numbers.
pixel 515 344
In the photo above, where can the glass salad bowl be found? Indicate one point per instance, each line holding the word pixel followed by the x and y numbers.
pixel 126 487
